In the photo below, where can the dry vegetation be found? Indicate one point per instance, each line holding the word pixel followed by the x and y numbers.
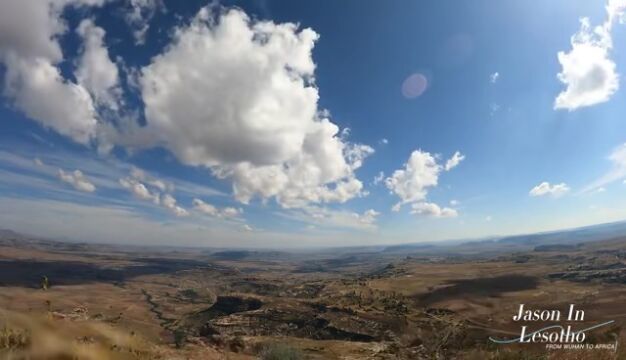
pixel 101 303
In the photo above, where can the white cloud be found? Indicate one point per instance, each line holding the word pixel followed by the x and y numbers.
pixel 96 72
pixel 38 162
pixel 420 173
pixel 77 180
pixel 488 218
pixel 556 190
pixel 588 71
pixel 411 183
pixel 384 141
pixel 169 203
pixel 211 210
pixel 142 176
pixel 432 210
pixel 237 96
pixel 454 161
pixel 454 202
pixel 493 78
pixel 139 190
pixel 38 89
pixel 30 52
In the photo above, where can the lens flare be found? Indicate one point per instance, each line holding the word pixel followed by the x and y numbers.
pixel 414 86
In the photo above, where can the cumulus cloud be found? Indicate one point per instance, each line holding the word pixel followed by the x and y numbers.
pixel 211 210
pixel 231 94
pixel 587 70
pixel 432 210
pixel 420 173
pixel 139 190
pixel 411 183
pixel 454 161
pixel 136 186
pixel 151 180
pixel 77 180
pixel 543 189
pixel 169 202
pixel 96 72
pixel 237 96
pixel 30 52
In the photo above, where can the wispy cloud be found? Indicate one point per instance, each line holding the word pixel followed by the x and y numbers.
pixel 616 172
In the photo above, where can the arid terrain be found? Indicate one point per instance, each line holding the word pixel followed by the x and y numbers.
pixel 404 302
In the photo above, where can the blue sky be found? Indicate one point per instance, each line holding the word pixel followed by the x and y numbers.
pixel 284 124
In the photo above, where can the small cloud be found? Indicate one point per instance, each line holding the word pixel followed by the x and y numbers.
pixel 384 141
pixel 247 228
pixel 493 78
pixel 432 210
pixel 38 162
pixel 139 190
pixel 454 202
pixel 144 177
pixel 379 178
pixel 169 202
pixel 488 218
pixel 208 209
pixel 77 180
pixel 345 133
pixel 454 161
pixel 545 188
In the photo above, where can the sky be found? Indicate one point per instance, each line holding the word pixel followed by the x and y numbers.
pixel 310 124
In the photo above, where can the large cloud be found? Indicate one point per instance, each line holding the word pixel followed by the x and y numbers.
pixel 237 96
pixel 30 52
pixel 588 71
pixel 231 94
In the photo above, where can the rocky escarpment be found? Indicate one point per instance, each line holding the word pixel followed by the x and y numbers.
pixel 248 316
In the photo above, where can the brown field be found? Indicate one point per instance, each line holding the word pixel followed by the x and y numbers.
pixel 105 302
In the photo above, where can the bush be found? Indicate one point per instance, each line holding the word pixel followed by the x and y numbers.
pixel 280 352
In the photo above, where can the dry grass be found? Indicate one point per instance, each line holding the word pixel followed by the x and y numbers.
pixel 43 337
